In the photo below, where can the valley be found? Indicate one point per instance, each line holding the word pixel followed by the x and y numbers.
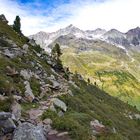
pixel 106 57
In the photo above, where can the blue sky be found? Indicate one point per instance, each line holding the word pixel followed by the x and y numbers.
pixel 51 15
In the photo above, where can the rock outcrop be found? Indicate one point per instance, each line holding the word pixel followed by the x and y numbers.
pixel 6 123
pixel 28 92
pixel 27 131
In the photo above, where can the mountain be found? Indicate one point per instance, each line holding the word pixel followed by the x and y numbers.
pixel 41 100
pixel 116 37
pixel 133 36
pixel 109 58
pixel 113 36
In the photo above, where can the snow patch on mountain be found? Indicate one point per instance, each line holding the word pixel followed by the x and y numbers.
pixel 113 36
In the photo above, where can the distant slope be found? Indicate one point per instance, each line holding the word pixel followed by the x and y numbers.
pixel 110 58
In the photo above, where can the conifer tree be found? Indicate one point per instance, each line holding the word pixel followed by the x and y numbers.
pixel 17 25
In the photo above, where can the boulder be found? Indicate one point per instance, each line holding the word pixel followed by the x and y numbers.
pixel 137 116
pixel 97 127
pixel 5 115
pixel 25 74
pixel 28 131
pixel 52 108
pixel 56 85
pixel 17 98
pixel 9 54
pixel 2 98
pixel 28 92
pixel 53 132
pixel 25 47
pixel 47 121
pixel 16 110
pixel 73 84
pixel 35 113
pixel 7 125
pixel 11 71
pixel 59 103
pixel 60 113
pixel 70 93
pixel 62 134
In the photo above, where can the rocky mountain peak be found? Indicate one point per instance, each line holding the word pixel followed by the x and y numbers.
pixel 3 18
pixel 71 29
pixel 134 31
pixel 113 33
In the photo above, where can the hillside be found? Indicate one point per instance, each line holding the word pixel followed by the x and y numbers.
pixel 41 101
pixel 108 58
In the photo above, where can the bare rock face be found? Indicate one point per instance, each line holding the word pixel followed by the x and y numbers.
pixel 27 131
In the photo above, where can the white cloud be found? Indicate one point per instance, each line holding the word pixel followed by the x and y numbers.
pixel 85 14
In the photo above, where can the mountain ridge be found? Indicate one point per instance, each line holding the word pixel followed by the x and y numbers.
pixel 128 39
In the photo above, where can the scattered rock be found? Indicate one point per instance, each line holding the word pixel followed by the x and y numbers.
pixel 137 116
pixel 2 98
pixel 44 90
pixel 59 103
pixel 52 108
pixel 114 130
pixel 32 42
pixel 62 134
pixel 6 137
pixel 25 74
pixel 53 132
pixel 7 125
pixel 9 54
pixel 28 131
pixel 35 113
pixel 17 98
pixel 47 121
pixel 73 84
pixel 16 110
pixel 70 93
pixel 25 47
pixel 28 92
pixel 56 85
pixel 52 77
pixel 94 138
pixel 60 113
pixel 5 115
pixel 97 127
pixel 47 128
pixel 11 71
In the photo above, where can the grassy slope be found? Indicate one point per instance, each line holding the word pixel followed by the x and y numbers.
pixel 117 77
pixel 8 83
pixel 88 102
